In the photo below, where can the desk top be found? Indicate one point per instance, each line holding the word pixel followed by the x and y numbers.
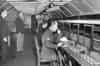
pixel 83 59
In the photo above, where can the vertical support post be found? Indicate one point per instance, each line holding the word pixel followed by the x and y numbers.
pixel 37 50
pixel 69 37
pixel 78 26
pixel 91 37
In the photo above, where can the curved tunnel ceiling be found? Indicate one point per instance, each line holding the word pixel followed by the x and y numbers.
pixel 72 8
pixel 22 0
pixel 78 8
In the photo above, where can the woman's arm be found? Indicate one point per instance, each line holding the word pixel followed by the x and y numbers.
pixel 50 44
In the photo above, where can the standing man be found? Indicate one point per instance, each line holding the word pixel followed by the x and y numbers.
pixel 20 33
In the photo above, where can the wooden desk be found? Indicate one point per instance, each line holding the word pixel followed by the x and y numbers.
pixel 83 59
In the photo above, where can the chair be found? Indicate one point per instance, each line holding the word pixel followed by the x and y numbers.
pixel 52 62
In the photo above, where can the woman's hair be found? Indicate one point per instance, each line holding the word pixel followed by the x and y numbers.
pixel 48 25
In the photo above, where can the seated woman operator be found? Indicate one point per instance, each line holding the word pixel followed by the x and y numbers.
pixel 49 43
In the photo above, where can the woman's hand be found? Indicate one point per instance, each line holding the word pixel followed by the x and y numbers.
pixel 60 44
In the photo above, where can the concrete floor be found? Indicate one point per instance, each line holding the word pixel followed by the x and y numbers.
pixel 29 56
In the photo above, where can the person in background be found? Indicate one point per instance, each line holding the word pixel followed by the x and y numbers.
pixel 4 32
pixel 10 18
pixel 34 24
pixel 20 32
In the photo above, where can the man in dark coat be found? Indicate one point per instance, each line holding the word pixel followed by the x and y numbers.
pixel 4 32
pixel 34 24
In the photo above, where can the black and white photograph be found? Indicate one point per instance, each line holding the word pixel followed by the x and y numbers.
pixel 49 32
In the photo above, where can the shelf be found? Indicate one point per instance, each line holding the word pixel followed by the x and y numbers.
pixel 96 39
pixel 81 21
pixel 96 29
pixel 96 45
